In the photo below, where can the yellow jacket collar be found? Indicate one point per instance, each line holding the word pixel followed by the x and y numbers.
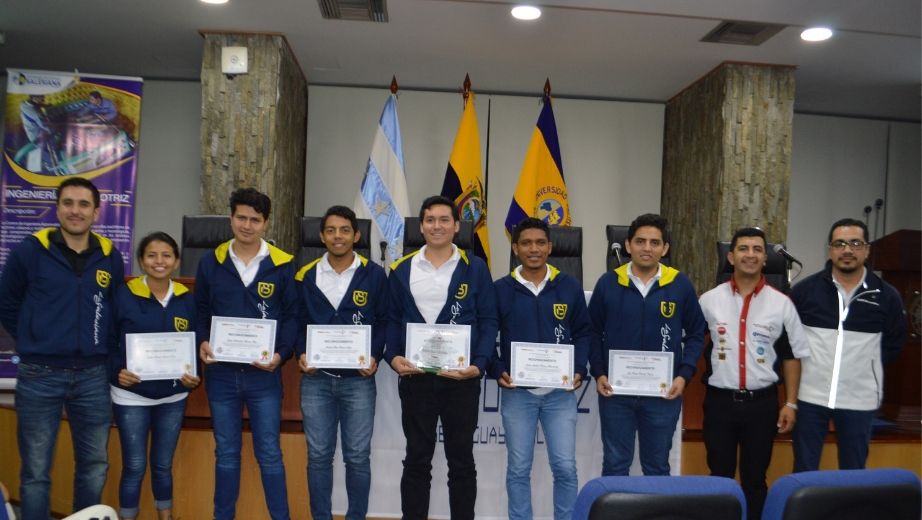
pixel 278 256
pixel 554 272
pixel 43 236
pixel 667 276
pixel 140 289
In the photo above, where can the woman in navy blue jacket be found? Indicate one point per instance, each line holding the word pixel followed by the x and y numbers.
pixel 151 303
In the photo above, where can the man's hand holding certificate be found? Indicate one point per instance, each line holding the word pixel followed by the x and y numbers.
pixel 339 346
pixel 242 340
pixel 544 365
pixel 439 347
pixel 640 372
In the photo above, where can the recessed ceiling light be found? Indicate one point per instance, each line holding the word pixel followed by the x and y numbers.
pixel 816 34
pixel 526 12
pixel 214 1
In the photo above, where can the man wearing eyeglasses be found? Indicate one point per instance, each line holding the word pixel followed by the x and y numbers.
pixel 855 324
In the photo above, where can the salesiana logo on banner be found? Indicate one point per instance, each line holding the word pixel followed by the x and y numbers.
pixel 59 125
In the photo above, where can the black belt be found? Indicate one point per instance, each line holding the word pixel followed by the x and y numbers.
pixel 746 395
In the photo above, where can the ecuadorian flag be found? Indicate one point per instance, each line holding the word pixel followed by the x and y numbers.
pixel 463 179
pixel 541 191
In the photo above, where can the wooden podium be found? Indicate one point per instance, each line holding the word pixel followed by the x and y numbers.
pixel 898 257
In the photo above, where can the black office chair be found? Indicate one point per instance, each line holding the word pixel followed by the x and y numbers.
pixel 858 494
pixel 413 238
pixel 311 248
pixel 566 253
pixel 617 234
pixel 200 235
pixel 687 497
pixel 775 271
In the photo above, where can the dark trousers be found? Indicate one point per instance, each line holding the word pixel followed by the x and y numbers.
pixel 734 422
pixel 425 399
pixel 853 436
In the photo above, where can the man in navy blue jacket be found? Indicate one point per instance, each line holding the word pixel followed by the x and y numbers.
pixel 247 278
pixel 56 299
pixel 340 288
pixel 643 305
pixel 440 284
pixel 538 304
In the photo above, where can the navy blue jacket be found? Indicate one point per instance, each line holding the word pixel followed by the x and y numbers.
pixel 669 319
pixel 471 301
pixel 557 315
pixel 138 311
pixel 365 303
pixel 56 317
pixel 219 291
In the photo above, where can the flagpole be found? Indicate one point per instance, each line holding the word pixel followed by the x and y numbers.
pixel 486 165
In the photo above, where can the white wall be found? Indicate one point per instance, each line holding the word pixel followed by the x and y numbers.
pixel 169 159
pixel 611 154
pixel 840 166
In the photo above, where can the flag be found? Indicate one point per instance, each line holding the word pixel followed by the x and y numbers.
pixel 463 179
pixel 383 194
pixel 541 191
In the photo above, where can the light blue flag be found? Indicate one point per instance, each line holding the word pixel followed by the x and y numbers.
pixel 383 194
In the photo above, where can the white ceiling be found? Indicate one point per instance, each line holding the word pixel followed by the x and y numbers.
pixel 610 49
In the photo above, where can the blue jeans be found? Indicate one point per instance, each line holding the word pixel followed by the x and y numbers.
pixel 521 411
pixel 651 419
pixel 162 423
pixel 228 388
pixel 853 435
pixel 41 393
pixel 349 403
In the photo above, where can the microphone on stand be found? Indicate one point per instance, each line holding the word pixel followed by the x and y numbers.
pixel 616 249
pixel 778 248
pixel 383 245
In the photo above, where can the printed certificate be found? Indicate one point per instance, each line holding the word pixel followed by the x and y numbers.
pixel 242 340
pixel 640 372
pixel 339 346
pixel 160 355
pixel 545 365
pixel 434 347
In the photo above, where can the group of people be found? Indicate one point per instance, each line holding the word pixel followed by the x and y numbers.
pixel 63 299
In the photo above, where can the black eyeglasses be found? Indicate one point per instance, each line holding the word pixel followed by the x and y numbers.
pixel 855 244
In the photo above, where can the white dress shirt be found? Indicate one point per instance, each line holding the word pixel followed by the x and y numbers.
pixel 535 289
pixel 248 271
pixel 429 285
pixel 333 285
pixel 644 288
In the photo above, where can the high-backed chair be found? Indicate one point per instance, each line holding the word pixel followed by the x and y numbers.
pixel 413 238
pixel 200 235
pixel 650 498
pixel 617 234
pixel 775 271
pixel 894 494
pixel 566 253
pixel 310 247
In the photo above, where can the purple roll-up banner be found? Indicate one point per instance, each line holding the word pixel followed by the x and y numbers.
pixel 60 125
